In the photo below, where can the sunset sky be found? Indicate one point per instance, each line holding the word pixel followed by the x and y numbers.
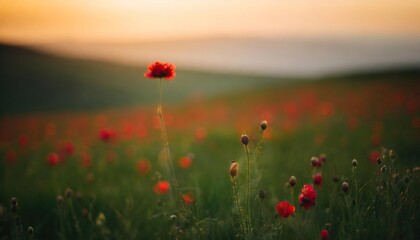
pixel 51 21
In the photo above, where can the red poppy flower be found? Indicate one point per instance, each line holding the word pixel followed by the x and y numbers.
pixel 324 234
pixel 185 161
pixel 162 187
pixel 318 179
pixel 285 209
pixel 161 70
pixel 188 199
pixel 53 159
pixel 106 135
pixel 143 166
pixel 307 197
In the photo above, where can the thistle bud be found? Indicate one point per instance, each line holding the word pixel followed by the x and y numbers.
pixel 314 161
pixel 60 199
pixel 383 169
pixel 345 187
pixel 263 125
pixel 30 231
pixel 354 162
pixel 292 181
pixel 244 139
pixel 68 193
pixel 14 201
pixel 233 170
pixel 392 153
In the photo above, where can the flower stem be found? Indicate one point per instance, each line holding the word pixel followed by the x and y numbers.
pixel 248 191
pixel 166 147
pixel 76 221
pixel 236 198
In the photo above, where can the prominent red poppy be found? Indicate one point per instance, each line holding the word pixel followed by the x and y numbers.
pixel 162 187
pixel 161 70
pixel 307 197
pixel 324 234
pixel 285 209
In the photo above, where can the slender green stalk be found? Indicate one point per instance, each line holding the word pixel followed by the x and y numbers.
pixel 248 191
pixel 236 199
pixel 76 221
pixel 166 147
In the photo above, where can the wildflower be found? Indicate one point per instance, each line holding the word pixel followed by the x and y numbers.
pixel 345 187
pixel 53 159
pixel 68 193
pixel 354 162
pixel 100 220
pixel 161 70
pixel 314 161
pixel 185 161
pixel 264 125
pixel 106 135
pixel 307 197
pixel 318 179
pixel 143 166
pixel 233 170
pixel 188 199
pixel 68 148
pixel 30 231
pixel 244 139
pixel 324 234
pixel 292 181
pixel 284 209
pixel 161 187
pixel 322 158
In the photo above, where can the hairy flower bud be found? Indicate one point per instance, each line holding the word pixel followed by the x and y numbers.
pixel 314 161
pixel 30 231
pixel 354 162
pixel 68 193
pixel 233 170
pixel 345 187
pixel 264 125
pixel 292 181
pixel 244 139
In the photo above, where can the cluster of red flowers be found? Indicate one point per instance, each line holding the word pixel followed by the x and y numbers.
pixel 307 197
pixel 284 209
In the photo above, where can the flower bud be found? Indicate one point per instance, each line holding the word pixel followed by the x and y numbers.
pixel 233 170
pixel 244 139
pixel 345 187
pixel 383 169
pixel 354 162
pixel 378 160
pixel 314 161
pixel 60 199
pixel 392 153
pixel 14 201
pixel 292 181
pixel 30 231
pixel 263 125
pixel 68 193
pixel 336 178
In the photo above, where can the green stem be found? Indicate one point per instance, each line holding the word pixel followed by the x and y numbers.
pixel 76 221
pixel 241 214
pixel 248 192
pixel 166 148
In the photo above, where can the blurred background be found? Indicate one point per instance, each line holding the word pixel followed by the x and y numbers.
pixel 266 41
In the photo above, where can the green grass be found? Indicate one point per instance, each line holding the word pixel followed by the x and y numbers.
pixel 341 118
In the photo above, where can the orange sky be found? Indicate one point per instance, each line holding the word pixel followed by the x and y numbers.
pixel 43 21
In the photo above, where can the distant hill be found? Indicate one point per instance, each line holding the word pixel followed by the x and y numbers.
pixel 31 81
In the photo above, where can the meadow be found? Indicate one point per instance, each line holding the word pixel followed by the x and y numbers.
pixel 93 166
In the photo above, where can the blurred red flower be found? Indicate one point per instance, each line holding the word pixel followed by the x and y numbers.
pixel 374 155
pixel 86 160
pixel 324 234
pixel 161 70
pixel 318 179
pixel 188 199
pixel 53 159
pixel 285 209
pixel 11 156
pixel 143 166
pixel 185 161
pixel 162 187
pixel 307 197
pixel 106 134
